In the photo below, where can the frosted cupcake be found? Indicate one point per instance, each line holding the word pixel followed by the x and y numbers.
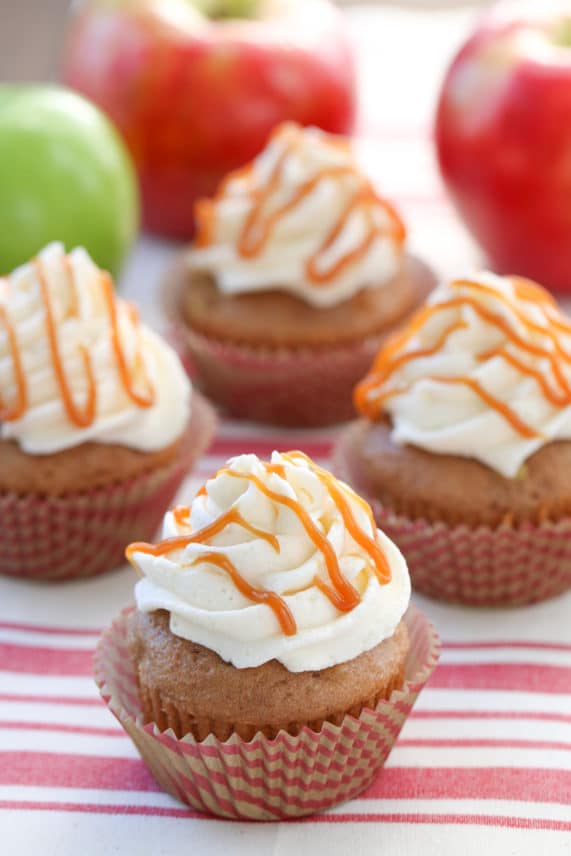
pixel 98 423
pixel 463 448
pixel 298 272
pixel 271 634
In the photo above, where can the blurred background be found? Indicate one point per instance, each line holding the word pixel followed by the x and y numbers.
pixel 401 50
pixel 189 111
pixel 31 31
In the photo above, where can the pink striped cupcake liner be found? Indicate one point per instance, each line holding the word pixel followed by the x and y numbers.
pixel 506 565
pixel 301 388
pixel 85 533
pixel 266 779
pixel 308 387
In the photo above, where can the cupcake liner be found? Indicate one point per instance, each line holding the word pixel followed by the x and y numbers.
pixel 263 778
pixel 506 565
pixel 301 387
pixel 85 533
pixel 298 388
pixel 483 566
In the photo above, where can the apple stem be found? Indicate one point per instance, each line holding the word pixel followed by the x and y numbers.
pixel 563 33
pixel 217 9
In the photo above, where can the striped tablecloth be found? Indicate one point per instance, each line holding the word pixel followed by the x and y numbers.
pixel 484 762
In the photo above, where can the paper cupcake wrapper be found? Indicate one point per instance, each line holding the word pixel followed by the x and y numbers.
pixel 307 387
pixel 296 388
pixel 85 533
pixel 507 565
pixel 267 779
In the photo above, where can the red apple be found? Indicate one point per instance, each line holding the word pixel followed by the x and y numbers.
pixel 503 133
pixel 196 97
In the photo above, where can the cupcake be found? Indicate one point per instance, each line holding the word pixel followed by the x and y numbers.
pixel 98 424
pixel 273 660
pixel 463 448
pixel 298 272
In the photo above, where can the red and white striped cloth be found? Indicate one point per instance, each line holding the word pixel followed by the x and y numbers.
pixel 485 759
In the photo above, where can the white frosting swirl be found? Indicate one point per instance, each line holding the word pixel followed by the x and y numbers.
pixel 206 607
pixel 301 232
pixel 514 366
pixel 82 321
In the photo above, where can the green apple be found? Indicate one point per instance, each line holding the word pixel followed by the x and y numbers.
pixel 65 175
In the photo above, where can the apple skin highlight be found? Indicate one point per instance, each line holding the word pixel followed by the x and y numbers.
pixel 503 137
pixel 196 97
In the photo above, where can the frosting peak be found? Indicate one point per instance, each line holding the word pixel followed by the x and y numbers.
pixel 76 364
pixel 483 371
pixel 275 560
pixel 301 218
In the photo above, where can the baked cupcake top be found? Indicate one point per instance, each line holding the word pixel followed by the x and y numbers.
pixel 482 371
pixel 76 365
pixel 301 218
pixel 275 560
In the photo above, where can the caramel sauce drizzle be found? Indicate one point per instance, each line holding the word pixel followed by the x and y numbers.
pixel 273 600
pixel 380 564
pixel 181 514
pixel 81 416
pixel 74 299
pixel 262 220
pixel 347 596
pixel 527 322
pixel 142 399
pixel 408 356
pixel 338 590
pixel 390 359
pixel 179 542
pixel 21 403
pixel 532 292
pixel 542 382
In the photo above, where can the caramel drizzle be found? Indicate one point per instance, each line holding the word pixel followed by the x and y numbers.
pixel 521 316
pixel 262 221
pixel 380 564
pixel 21 403
pixel 338 590
pixel 370 394
pixel 179 542
pixel 531 292
pixel 73 297
pixel 542 382
pixel 270 598
pixel 142 399
pixel 346 597
pixel 81 416
pixel 181 514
